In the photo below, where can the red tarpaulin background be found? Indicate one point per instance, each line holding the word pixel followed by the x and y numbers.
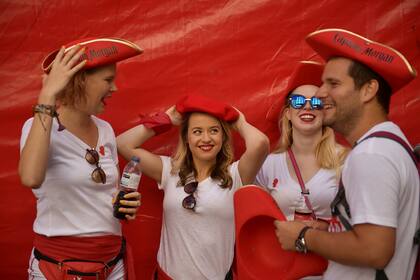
pixel 238 51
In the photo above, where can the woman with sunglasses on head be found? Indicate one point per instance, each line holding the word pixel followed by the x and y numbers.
pixel 197 238
pixel 302 173
pixel 69 159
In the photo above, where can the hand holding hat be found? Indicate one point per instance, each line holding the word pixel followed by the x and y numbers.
pixel 174 115
pixel 259 253
pixel 62 70
pixel 287 233
pixel 97 52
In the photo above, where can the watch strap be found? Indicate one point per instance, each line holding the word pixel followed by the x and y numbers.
pixel 301 245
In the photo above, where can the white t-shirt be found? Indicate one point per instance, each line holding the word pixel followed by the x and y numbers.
pixel 382 188
pixel 274 175
pixel 197 244
pixel 69 202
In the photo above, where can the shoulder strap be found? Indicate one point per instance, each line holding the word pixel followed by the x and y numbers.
pixel 380 274
pixel 414 157
pixel 305 191
pixel 340 199
pixel 396 138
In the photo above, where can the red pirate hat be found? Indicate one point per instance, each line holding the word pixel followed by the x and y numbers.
pixel 259 254
pixel 305 73
pixel 384 60
pixel 199 103
pixel 98 52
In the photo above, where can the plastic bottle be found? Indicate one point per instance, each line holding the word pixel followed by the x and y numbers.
pixel 129 182
pixel 302 212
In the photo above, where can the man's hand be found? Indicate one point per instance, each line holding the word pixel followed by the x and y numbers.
pixel 287 233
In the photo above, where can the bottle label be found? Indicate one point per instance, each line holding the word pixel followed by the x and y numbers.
pixel 130 181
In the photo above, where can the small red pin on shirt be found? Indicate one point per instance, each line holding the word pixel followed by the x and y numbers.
pixel 102 150
pixel 275 181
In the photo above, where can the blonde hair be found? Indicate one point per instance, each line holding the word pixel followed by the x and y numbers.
pixel 183 164
pixel 329 154
pixel 75 91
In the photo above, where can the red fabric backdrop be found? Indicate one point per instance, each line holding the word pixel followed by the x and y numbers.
pixel 240 51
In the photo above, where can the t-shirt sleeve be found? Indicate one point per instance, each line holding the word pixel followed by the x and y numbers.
pixel 371 182
pixel 166 172
pixel 236 178
pixel 25 132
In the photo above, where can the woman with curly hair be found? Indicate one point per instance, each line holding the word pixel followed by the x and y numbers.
pixel 197 239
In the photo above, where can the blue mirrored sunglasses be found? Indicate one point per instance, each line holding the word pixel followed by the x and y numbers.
pixel 298 101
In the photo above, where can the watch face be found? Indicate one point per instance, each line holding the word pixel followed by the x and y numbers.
pixel 300 245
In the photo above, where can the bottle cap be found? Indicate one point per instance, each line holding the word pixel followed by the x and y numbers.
pixel 136 159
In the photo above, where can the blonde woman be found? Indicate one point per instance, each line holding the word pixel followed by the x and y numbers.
pixel 302 172
pixel 197 239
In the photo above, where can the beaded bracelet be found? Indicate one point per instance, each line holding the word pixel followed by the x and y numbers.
pixel 45 109
pixel 49 110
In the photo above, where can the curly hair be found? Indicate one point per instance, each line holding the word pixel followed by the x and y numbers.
pixel 182 160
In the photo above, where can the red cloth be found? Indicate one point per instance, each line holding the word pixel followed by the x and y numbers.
pixel 98 52
pixel 199 103
pixel 382 59
pixel 161 275
pixel 259 254
pixel 159 122
pixel 95 248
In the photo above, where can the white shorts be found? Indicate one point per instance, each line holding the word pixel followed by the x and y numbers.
pixel 36 274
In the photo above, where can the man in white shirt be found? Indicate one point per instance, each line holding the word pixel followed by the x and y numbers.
pixel 380 179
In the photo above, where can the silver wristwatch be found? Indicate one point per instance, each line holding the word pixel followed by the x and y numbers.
pixel 300 243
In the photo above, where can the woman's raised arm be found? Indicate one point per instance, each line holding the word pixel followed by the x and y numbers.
pixel 257 149
pixel 34 154
pixel 129 143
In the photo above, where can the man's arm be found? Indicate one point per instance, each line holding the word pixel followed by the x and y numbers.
pixel 366 245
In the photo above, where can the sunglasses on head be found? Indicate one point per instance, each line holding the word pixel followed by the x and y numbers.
pixel 189 201
pixel 298 101
pixel 98 174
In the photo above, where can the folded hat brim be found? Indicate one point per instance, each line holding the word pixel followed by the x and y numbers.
pixel 258 251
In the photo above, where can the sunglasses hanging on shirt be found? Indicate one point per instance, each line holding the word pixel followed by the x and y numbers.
pixel 98 174
pixel 189 201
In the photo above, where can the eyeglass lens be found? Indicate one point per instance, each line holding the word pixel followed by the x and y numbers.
pixel 298 101
pixel 98 174
pixel 189 201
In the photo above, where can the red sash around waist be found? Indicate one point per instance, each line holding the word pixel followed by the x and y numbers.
pixel 94 248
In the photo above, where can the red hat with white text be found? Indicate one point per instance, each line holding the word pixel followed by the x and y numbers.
pixel 259 254
pixel 389 63
pixel 98 52
pixel 200 103
pixel 305 73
